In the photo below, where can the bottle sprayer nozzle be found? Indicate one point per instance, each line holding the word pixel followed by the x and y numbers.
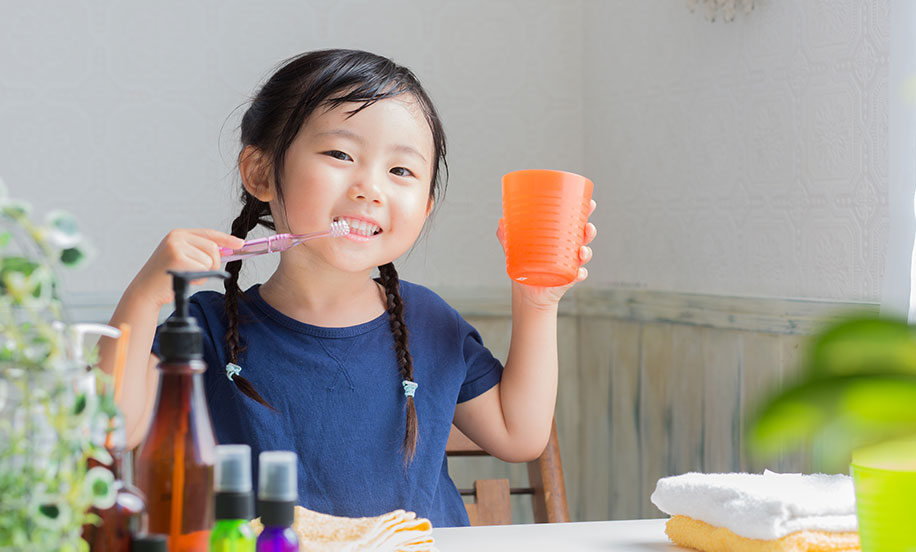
pixel 182 280
pixel 277 487
pixel 232 482
pixel 180 338
pixel 277 471
pixel 232 469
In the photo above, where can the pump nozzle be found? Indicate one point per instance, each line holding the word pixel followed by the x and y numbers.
pixel 180 338
pixel 182 280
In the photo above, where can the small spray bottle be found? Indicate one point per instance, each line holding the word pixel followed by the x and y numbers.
pixel 234 500
pixel 277 495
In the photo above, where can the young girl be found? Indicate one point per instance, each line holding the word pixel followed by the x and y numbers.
pixel 361 377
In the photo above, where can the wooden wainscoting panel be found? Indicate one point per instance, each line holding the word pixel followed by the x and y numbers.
pixel 655 413
pixel 571 416
pixel 685 444
pixel 592 465
pixel 623 462
pixel 761 375
pixel 721 400
pixel 794 349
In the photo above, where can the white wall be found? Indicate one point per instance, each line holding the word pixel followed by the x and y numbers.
pixel 740 158
pixel 897 298
pixel 125 113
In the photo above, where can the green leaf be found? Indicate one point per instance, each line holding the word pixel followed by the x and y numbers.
pixel 5 238
pixel 100 488
pixel 72 256
pixel 100 484
pixel 843 411
pixel 107 405
pixel 864 346
pixel 50 511
pixel 63 222
pixel 93 519
pixel 15 209
pixel 18 264
pixel 81 402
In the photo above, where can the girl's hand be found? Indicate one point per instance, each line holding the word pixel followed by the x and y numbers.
pixel 183 249
pixel 550 296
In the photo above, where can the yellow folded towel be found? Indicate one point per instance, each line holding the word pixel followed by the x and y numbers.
pixel 693 533
pixel 396 531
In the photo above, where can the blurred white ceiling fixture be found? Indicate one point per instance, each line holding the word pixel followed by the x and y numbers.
pixel 727 7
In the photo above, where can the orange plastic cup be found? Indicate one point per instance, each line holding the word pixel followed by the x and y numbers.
pixel 544 215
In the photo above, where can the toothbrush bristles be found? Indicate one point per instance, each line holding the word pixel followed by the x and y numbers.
pixel 339 228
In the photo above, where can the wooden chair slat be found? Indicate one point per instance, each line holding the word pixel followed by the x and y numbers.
pixel 545 475
pixel 493 506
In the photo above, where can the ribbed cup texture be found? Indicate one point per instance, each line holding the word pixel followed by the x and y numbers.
pixel 544 213
pixel 886 509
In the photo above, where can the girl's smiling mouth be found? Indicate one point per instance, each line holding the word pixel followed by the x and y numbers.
pixel 361 229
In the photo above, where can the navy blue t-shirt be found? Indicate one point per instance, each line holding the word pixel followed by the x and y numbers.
pixel 340 404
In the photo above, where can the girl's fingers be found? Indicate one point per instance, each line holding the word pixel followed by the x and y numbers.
pixel 199 259
pixel 590 232
pixel 585 254
pixel 501 233
pixel 591 207
pixel 582 275
pixel 221 239
pixel 205 250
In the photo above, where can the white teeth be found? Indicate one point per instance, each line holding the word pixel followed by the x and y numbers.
pixel 361 227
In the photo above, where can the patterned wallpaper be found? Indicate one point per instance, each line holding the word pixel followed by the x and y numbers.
pixel 747 157
pixel 740 158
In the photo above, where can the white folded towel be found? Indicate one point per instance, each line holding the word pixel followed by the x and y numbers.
pixel 761 506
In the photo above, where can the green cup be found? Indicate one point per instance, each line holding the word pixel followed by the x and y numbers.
pixel 885 481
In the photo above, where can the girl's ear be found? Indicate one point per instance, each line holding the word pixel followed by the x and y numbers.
pixel 256 174
pixel 429 205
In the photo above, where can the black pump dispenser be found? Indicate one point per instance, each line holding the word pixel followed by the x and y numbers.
pixel 180 339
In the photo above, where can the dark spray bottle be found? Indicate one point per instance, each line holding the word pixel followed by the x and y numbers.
pixel 277 495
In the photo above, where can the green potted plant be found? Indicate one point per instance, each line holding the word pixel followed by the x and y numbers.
pixel 50 405
pixel 856 402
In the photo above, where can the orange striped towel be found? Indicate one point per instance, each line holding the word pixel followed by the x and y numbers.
pixel 397 531
pixel 693 533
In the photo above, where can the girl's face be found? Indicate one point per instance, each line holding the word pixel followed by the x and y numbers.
pixel 372 169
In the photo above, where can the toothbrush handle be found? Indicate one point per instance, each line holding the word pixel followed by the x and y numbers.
pixel 270 244
pixel 252 248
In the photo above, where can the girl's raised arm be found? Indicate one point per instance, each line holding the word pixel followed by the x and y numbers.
pixel 139 307
pixel 512 420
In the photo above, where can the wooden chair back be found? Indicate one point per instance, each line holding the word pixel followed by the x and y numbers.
pixel 491 496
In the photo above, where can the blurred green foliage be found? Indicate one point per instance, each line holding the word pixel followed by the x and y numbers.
pixel 856 387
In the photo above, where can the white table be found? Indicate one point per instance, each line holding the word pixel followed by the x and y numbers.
pixel 622 536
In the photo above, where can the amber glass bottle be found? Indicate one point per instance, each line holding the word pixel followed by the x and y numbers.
pixel 127 516
pixel 175 461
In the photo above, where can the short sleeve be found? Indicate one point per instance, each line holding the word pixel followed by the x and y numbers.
pixel 484 371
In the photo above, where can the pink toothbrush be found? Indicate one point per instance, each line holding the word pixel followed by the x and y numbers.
pixel 280 242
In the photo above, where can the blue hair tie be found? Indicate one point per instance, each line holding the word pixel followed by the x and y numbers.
pixel 233 370
pixel 410 387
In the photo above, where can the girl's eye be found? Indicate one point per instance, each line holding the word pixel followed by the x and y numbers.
pixel 337 154
pixel 401 171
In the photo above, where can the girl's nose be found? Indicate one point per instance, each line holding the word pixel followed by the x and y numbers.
pixel 364 188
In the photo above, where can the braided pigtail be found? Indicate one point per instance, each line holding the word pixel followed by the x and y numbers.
pixel 389 278
pixel 251 216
